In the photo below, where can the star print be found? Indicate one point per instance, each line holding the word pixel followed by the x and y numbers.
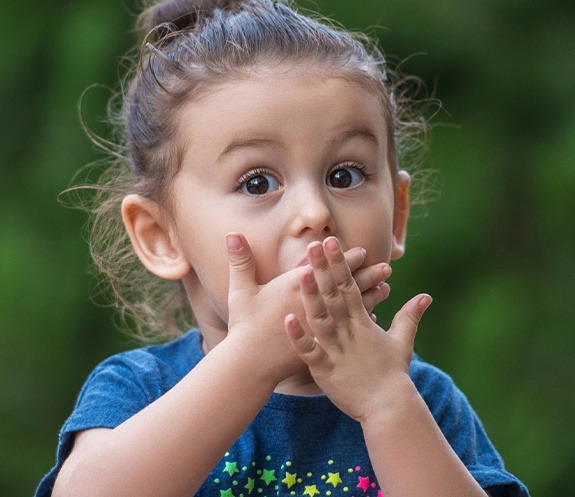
pixel 226 493
pixel 334 479
pixel 250 485
pixel 380 493
pixel 231 468
pixel 311 490
pixel 268 476
pixel 290 480
pixel 363 483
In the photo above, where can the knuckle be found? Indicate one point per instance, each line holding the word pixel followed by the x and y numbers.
pixel 241 262
pixel 322 317
pixel 348 284
pixel 332 293
pixel 412 319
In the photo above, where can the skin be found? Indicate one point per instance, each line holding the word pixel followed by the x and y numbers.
pixel 293 269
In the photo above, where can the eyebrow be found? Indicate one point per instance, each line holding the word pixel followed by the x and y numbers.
pixel 345 135
pixel 248 143
pixel 361 132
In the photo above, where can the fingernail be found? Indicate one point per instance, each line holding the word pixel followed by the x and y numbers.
pixel 332 244
pixel 386 271
pixel 316 250
pixel 384 288
pixel 234 242
pixel 307 274
pixel 424 302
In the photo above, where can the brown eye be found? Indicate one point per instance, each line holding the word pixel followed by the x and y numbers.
pixel 340 179
pixel 257 186
pixel 348 176
pixel 258 182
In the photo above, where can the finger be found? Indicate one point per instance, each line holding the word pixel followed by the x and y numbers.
pixel 343 277
pixel 317 314
pixel 304 345
pixel 404 325
pixel 326 282
pixel 355 257
pixel 241 263
pixel 369 277
pixel 375 295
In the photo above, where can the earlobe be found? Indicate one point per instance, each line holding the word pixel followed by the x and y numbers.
pixel 152 239
pixel 400 214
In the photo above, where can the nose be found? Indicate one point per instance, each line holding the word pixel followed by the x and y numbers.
pixel 312 214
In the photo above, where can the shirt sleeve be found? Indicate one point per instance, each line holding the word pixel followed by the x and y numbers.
pixel 463 430
pixel 116 390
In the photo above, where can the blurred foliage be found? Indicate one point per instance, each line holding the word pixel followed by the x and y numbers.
pixel 496 249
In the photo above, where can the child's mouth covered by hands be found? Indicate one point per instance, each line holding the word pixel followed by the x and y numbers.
pixel 284 295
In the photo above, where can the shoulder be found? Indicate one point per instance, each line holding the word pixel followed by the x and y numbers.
pixel 436 387
pixel 449 406
pixel 463 429
pixel 121 386
pixel 175 357
pixel 127 382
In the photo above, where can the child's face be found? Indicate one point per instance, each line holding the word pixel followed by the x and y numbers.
pixel 284 159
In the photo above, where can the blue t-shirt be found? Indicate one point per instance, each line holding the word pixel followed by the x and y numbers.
pixel 296 445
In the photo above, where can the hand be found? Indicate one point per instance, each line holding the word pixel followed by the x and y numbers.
pixel 355 363
pixel 256 312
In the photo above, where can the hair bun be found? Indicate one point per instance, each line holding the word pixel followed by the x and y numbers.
pixel 179 14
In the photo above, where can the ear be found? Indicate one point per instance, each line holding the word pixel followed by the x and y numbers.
pixel 400 214
pixel 152 239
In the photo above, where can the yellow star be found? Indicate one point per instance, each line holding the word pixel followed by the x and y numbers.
pixel 290 480
pixel 334 479
pixel 311 490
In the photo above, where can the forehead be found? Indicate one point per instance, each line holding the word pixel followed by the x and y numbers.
pixel 294 103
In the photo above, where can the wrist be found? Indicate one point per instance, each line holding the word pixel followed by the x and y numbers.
pixel 256 359
pixel 397 399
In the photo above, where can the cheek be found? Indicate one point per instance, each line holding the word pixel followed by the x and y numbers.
pixel 207 287
pixel 373 230
pixel 267 263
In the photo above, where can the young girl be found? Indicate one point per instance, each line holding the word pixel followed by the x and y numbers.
pixel 259 179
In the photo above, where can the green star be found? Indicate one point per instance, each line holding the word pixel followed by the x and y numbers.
pixel 231 468
pixel 226 493
pixel 290 480
pixel 334 479
pixel 311 490
pixel 250 485
pixel 268 476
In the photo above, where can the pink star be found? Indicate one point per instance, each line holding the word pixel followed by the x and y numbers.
pixel 364 483
pixel 380 493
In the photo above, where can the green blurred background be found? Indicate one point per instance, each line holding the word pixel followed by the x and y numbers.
pixel 496 249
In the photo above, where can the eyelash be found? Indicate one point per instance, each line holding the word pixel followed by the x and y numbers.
pixel 358 166
pixel 244 178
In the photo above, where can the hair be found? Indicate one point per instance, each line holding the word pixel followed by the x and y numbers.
pixel 189 47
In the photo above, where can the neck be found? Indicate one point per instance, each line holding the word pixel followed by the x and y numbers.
pixel 299 384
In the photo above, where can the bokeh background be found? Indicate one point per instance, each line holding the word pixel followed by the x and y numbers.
pixel 496 248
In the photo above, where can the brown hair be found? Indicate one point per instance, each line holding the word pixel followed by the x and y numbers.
pixel 190 46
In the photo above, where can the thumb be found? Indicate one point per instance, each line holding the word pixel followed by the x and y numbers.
pixel 241 263
pixel 404 325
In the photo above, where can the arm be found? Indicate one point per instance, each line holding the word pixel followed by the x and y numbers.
pixel 364 371
pixel 169 448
